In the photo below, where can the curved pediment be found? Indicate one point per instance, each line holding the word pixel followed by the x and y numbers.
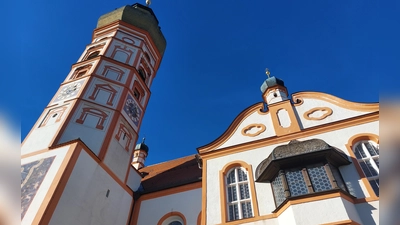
pixel 305 110
pixel 299 97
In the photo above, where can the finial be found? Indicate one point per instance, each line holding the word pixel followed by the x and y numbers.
pixel 148 2
pixel 267 72
pixel 143 140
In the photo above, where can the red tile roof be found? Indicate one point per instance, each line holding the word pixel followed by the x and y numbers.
pixel 170 174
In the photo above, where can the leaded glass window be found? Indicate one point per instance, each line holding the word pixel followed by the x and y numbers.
pixel 279 191
pixel 319 178
pixel 296 183
pixel 305 180
pixel 367 154
pixel 238 194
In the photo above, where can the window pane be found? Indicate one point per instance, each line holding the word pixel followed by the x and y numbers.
pixel 297 185
pixel 377 162
pixel 229 194
pixel 375 186
pixel 246 209
pixel 319 179
pixel 244 191
pixel 365 168
pixel 242 175
pixel 231 177
pixel 368 169
pixel 234 194
pixel 279 193
pixel 236 212
pixel 231 215
pixel 371 149
pixel 359 152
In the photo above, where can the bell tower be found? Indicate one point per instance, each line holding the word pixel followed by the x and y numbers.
pixel 95 118
pixel 275 94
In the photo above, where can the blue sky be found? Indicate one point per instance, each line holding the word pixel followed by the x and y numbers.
pixel 215 59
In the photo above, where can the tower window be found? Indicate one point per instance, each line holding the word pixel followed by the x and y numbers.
pixel 136 93
pixel 142 74
pixel 146 55
pixel 93 55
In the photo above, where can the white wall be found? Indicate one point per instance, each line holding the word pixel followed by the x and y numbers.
pixel 188 203
pixel 84 198
pixel 254 118
pixel 337 138
pixel 91 136
pixel 40 137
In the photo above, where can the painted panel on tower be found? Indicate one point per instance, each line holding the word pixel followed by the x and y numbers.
pixel 122 52
pixel 90 124
pixel 104 93
pixel 118 156
pixel 128 38
pixel 113 72
pixel 32 176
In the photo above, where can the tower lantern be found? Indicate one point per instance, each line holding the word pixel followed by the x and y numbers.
pixel 140 154
pixel 273 89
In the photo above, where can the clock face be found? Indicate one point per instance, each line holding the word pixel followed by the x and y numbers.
pixel 69 91
pixel 132 109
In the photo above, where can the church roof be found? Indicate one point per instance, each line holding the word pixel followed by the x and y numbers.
pixel 170 174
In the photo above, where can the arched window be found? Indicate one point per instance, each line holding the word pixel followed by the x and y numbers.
pixel 142 74
pixel 175 223
pixel 92 55
pixel 238 194
pixel 367 154
pixel 172 218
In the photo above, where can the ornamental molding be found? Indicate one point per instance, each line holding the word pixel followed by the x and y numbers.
pixel 318 113
pixel 253 130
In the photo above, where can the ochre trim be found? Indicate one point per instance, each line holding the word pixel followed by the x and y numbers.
pixel 343 222
pixel 199 219
pixel 364 107
pixel 326 112
pixel 204 193
pixel 222 187
pixel 171 191
pixel 279 129
pixel 312 131
pixel 135 214
pixel 260 126
pixel 350 144
pixel 170 214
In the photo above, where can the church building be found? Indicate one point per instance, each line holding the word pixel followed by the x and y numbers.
pixel 305 158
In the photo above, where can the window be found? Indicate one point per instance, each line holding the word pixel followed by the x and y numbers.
pixel 301 168
pixel 142 74
pixel 172 218
pixel 367 154
pixel 175 223
pixel 305 180
pixel 93 55
pixel 136 93
pixel 238 194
